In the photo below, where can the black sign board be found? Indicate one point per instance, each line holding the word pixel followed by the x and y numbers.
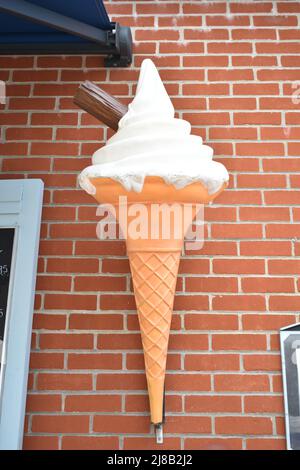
pixel 6 249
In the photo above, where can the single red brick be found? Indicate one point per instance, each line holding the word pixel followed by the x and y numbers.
pixel 230 47
pixel 72 265
pixel 58 213
pixel 215 284
pixel 25 164
pixel 234 231
pixel 57 119
pixel 283 230
pixel 257 118
pixel 205 61
pixel 289 61
pixel 254 60
pixel 249 7
pixel 182 74
pixel 56 283
pixel 212 362
pixel 121 424
pixel 13 148
pixel 264 213
pixel 59 61
pixel 235 20
pixel 240 197
pixel 119 341
pixel 38 402
pixel 194 266
pixel 238 266
pixel 284 303
pixel 40 442
pixel 275 133
pixel 14 62
pixel 60 424
pixel 205 89
pixel 230 74
pixel 188 342
pixel 127 381
pixel 54 148
pixel 264 362
pixel 191 302
pixel 32 103
pixel 120 302
pixel 80 134
pixel 41 360
pixel 66 341
pixel 195 424
pixel 156 35
pixel 272 20
pixel 86 321
pixel 215 248
pixel 210 321
pixel 253 34
pixel 263 404
pixel 269 284
pixel 243 425
pixel 200 7
pixel 266 322
pixel 95 361
pixel 232 103
pixel 43 321
pixel 213 404
pixel 71 164
pixel 70 301
pixel 67 381
pixel 157 8
pixel 53 247
pixel 260 149
pixel 188 382
pixel 93 403
pixel 282 197
pixel 99 283
pixel 136 21
pixel 102 247
pixel 265 248
pixel 276 48
pixel 204 118
pixel 238 342
pixel 183 20
pixel 144 48
pixel 186 47
pixel 239 302
pixel 242 383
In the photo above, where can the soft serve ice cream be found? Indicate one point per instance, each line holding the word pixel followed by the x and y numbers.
pixel 151 142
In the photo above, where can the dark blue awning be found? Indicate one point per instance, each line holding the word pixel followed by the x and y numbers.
pixel 65 27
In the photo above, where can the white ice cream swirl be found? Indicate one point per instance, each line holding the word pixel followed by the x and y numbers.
pixel 151 142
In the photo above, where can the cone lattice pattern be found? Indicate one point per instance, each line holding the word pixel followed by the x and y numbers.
pixel 154 278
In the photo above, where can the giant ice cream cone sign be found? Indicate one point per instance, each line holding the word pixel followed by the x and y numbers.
pixel 153 160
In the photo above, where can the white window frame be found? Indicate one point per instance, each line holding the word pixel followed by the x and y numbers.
pixel 20 208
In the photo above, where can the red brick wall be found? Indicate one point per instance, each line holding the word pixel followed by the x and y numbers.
pixel 230 69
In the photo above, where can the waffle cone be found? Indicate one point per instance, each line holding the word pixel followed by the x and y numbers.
pixel 154 267
pixel 154 274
